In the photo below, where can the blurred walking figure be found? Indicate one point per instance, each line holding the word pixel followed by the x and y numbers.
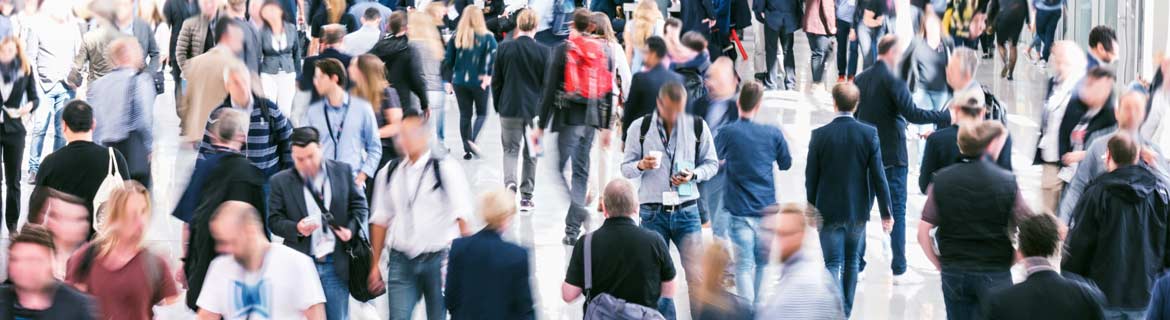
pixel 280 54
pixel 125 278
pixel 717 303
pixel 805 290
pixel 427 42
pixel 52 43
pixel 1010 17
pixel 18 98
pixel 82 166
pixel 33 291
pixel 267 146
pixel 468 66
pixel 406 67
pixel 369 82
pixel 514 102
pixel 66 216
pixel 123 103
pixel 1068 67
pixel 204 78
pixel 487 277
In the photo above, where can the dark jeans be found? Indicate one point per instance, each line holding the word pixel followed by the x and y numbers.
pixel 135 150
pixel 964 291
pixel 772 38
pixel 966 42
pixel 846 57
pixel 841 245
pixel 821 46
pixel 681 227
pixel 575 142
pixel 412 278
pixel 13 151
pixel 896 176
pixel 1046 22
pixel 471 99
pixel 513 136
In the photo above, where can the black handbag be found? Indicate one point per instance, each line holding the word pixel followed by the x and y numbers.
pixel 357 250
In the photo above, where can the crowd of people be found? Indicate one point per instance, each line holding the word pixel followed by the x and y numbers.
pixel 290 213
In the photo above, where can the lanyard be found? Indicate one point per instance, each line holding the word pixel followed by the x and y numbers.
pixel 319 197
pixel 666 149
pixel 336 137
pixel 417 187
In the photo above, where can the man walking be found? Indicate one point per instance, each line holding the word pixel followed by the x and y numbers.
pixel 888 106
pixel 125 121
pixel 268 129
pixel 805 289
pixel 781 19
pixel 316 209
pixel 718 109
pixel 749 149
pixel 844 173
pixel 669 152
pixel 645 84
pixel 519 62
pixel 1088 115
pixel 330 116
pixel 52 44
pixel 204 76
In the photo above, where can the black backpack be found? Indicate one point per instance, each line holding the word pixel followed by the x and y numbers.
pixel 697 125
pixel 433 162
pixel 693 83
pixel 995 109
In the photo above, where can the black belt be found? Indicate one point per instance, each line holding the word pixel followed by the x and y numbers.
pixel 321 259
pixel 670 209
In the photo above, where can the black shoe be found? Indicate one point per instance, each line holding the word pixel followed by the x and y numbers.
pixel 511 187
pixel 986 56
pixel 1010 77
pixel 570 240
pixel 467 156
pixel 527 205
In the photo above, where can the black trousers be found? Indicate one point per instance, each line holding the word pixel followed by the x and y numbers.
pixel 134 149
pixel 12 149
pixel 471 99
pixel 784 37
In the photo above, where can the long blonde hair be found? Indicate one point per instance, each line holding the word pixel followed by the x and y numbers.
pixel 373 82
pixel 114 211
pixel 716 259
pixel 421 28
pixel 646 17
pixel 335 9
pixel 471 25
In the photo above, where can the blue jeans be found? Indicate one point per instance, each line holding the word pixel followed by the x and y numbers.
pixel 575 142
pixel 867 39
pixel 438 107
pixel 1046 23
pixel 53 101
pixel 336 290
pixel 412 278
pixel 896 177
pixel 846 57
pixel 750 243
pixel 682 228
pixel 712 201
pixel 841 245
pixel 964 291
pixel 928 100
pixel 1124 314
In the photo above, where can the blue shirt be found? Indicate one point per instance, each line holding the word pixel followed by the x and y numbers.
pixel 346 131
pixel 748 150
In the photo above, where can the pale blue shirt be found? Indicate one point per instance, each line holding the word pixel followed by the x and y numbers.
pixel 350 135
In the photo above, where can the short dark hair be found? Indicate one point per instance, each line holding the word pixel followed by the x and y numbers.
pixel 78 116
pixel 673 91
pixel 332 33
pixel 673 22
pixel 974 139
pixel 1102 35
pixel 222 25
pixel 34 234
pixel 1123 149
pixel 694 41
pixel 655 45
pixel 1039 236
pixel 36 202
pixel 333 67
pixel 582 18
pixel 845 97
pixel 396 22
pixel 1099 72
pixel 304 136
pixel 372 14
pixel 750 95
pixel 887 43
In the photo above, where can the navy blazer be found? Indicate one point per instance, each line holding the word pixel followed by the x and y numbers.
pixel 845 172
pixel 487 278
pixel 693 14
pixel 782 15
pixel 701 106
pixel 942 150
pixel 1045 295
pixel 643 98
pixel 887 105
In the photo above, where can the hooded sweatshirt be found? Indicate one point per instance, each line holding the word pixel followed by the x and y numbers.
pixel 403 69
pixel 1119 238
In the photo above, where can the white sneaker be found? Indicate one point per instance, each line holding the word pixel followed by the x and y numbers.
pixel 908 278
pixel 860 276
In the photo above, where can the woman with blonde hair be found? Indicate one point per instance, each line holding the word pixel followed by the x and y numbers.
pixel 15 75
pixel 117 257
pixel 647 22
pixel 368 75
pixel 426 38
pixel 714 300
pixel 487 277
pixel 468 67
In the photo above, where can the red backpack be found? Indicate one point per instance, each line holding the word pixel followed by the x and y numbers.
pixel 588 78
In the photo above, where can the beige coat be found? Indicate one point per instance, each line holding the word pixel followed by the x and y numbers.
pixel 205 89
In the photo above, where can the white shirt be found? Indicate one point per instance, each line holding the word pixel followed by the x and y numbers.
pixel 285 286
pixel 420 218
pixel 361 41
pixel 1055 107
pixel 1153 127
pixel 322 239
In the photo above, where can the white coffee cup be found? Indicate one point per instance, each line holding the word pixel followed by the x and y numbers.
pixel 657 156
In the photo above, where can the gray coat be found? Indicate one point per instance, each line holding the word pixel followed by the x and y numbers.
pixel 274 61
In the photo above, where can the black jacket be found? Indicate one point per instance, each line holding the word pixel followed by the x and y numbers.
pixel 1119 237
pixel 693 14
pixel 288 206
pixel 942 150
pixel 643 98
pixel 1045 295
pixel 79 168
pixel 520 65
pixel 487 278
pixel 888 106
pixel 403 69
pixel 844 172
pixel 24 87
pixel 68 303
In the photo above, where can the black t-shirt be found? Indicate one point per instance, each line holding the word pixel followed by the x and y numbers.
pixel 879 7
pixel 629 263
pixel 390 101
pixel 79 169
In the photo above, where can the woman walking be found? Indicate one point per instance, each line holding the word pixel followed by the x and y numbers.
pixel 16 85
pixel 468 67
pixel 280 56
pixel 1009 21
pixel 647 22
pixel 368 75
pixel 424 32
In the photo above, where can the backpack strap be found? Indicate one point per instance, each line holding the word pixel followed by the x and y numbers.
pixel 434 163
pixel 698 126
pixel 588 264
pixel 644 129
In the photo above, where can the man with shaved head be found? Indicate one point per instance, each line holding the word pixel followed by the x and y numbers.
pixel 1129 114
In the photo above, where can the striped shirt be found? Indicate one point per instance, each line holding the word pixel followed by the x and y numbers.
pixel 261 147
pixel 805 291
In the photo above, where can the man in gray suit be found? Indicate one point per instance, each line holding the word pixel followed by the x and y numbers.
pixel 316 208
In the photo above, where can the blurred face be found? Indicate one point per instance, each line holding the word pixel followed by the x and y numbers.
pixel 791 233
pixel 1131 112
pixel 651 60
pixel 207 7
pixel 272 13
pixel 414 137
pixel 355 73
pixel 323 83
pixel 720 82
pixel 27 266
pixel 232 239
pixel 669 110
pixel 239 86
pixel 955 75
pixel 233 39
pixel 307 159
pixel 1095 92
pixel 1106 55
pixel 68 222
pixel 8 52
pixel 133 224
pixel 125 10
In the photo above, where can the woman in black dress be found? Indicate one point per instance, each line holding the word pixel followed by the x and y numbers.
pixel 18 96
pixel 1009 21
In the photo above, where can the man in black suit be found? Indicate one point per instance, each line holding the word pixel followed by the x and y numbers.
pixel 887 106
pixel 1045 293
pixel 316 208
pixel 513 101
pixel 643 98
pixel 843 175
pixel 781 18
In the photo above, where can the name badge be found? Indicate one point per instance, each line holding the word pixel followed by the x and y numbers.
pixel 670 198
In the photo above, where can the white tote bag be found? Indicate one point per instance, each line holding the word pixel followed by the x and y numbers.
pixel 113 181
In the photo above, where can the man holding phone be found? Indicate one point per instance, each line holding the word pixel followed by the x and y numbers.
pixel 670 152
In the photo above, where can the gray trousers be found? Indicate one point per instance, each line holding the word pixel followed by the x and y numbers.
pixel 514 133
pixel 575 142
